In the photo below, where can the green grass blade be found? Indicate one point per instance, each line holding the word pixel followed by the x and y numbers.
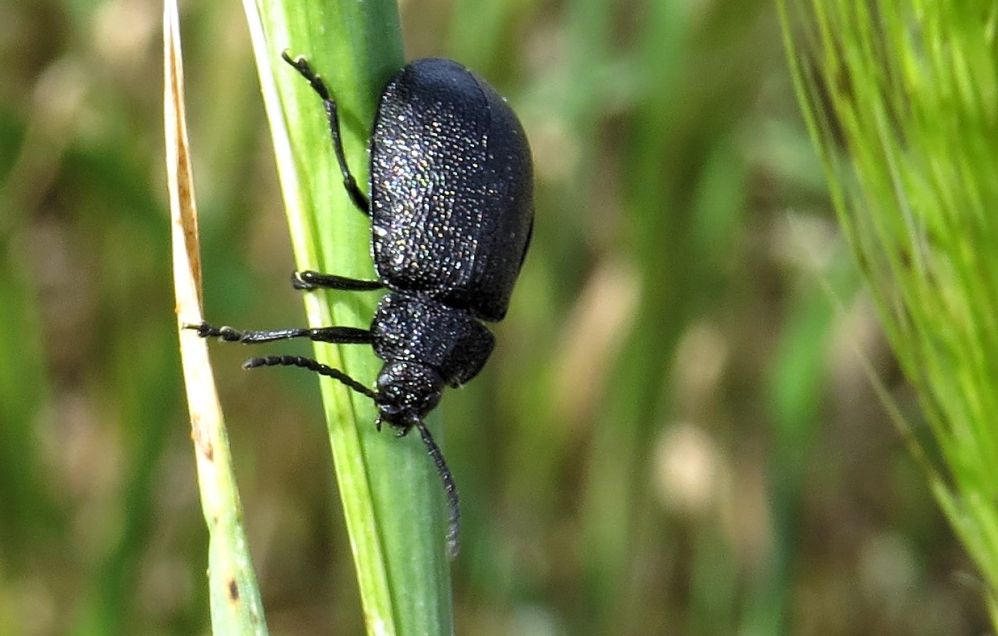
pixel 391 496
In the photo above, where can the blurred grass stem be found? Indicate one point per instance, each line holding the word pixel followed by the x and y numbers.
pixel 235 597
pixel 901 99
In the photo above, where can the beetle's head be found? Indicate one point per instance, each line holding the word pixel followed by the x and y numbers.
pixel 407 391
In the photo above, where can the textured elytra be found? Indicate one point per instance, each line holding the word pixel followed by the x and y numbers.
pixel 451 189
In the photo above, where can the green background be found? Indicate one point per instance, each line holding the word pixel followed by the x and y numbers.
pixel 675 434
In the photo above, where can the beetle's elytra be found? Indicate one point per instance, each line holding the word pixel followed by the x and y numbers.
pixel 450 199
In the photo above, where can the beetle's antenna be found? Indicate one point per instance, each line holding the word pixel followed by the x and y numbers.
pixel 311 365
pixel 454 522
pixel 450 488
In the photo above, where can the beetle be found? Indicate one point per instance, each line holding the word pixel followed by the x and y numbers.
pixel 450 199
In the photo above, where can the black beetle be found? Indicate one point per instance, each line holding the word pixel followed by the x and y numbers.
pixel 451 207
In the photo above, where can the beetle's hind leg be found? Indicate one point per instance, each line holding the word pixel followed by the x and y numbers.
pixel 308 280
pixel 305 69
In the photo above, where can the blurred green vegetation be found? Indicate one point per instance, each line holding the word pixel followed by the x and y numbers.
pixel 675 434
pixel 915 197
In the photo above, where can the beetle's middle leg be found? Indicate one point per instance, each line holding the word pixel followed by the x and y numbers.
pixel 308 280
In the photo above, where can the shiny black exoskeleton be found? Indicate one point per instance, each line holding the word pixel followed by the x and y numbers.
pixel 451 207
